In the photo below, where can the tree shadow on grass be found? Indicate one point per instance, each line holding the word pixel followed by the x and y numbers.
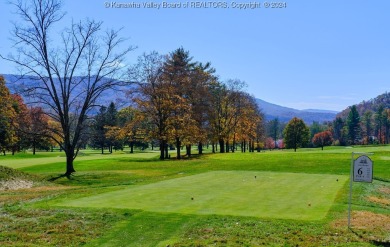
pixel 382 243
pixel 70 177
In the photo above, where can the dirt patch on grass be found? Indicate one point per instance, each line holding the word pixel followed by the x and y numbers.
pixel 385 190
pixel 382 201
pixel 26 194
pixel 366 220
pixel 15 184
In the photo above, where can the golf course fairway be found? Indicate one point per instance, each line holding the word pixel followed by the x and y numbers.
pixel 297 196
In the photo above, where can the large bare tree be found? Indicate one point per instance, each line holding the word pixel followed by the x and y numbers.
pixel 71 72
pixel 153 96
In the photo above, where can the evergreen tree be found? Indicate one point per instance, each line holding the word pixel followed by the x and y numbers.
pixel 98 138
pixel 338 131
pixel 110 120
pixel 367 122
pixel 353 125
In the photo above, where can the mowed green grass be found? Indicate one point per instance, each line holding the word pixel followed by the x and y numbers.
pixel 33 217
pixel 58 157
pixel 238 193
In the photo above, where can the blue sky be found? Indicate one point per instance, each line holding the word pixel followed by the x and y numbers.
pixel 323 54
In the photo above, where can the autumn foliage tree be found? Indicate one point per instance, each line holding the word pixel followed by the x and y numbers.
pixel 7 117
pixel 132 127
pixel 152 97
pixel 323 139
pixel 38 134
pixel 173 94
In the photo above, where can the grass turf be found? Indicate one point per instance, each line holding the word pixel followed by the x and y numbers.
pixel 28 217
pixel 238 193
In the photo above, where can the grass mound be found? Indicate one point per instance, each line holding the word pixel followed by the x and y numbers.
pixel 11 179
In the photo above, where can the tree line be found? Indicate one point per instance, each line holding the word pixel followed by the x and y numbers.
pixel 173 101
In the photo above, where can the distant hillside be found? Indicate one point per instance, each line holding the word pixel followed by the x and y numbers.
pixel 372 105
pixel 15 84
pixel 285 114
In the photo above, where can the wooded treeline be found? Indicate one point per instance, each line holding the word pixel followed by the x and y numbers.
pixel 174 102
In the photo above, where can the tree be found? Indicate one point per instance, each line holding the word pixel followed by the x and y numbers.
pixel 226 108
pixel 316 128
pixel 21 125
pixel 322 139
pixel 367 123
pixel 199 97
pixel 110 121
pixel 152 97
pixel 177 70
pixel 353 125
pixel 38 134
pixel 270 143
pixel 70 75
pixel 273 130
pixel 296 134
pixel 132 127
pixel 98 137
pixel 338 131
pixel 380 123
pixel 249 127
pixel 7 117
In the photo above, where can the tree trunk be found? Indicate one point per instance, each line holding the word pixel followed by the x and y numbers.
pixel 102 150
pixel 166 151
pixel 221 146
pixel 227 146
pixel 69 163
pixel 200 147
pixel 131 147
pixel 213 147
pixel 34 148
pixel 162 148
pixel 188 150
pixel 178 144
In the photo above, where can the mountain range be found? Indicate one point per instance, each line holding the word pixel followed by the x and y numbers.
pixel 271 111
pixel 285 114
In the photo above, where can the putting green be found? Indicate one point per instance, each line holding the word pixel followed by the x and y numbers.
pixel 241 193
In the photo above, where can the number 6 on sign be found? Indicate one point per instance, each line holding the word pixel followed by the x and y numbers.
pixel 362 169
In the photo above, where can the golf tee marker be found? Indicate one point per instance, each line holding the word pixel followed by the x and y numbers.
pixel 361 171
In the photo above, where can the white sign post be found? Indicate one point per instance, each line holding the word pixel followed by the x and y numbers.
pixel 361 171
